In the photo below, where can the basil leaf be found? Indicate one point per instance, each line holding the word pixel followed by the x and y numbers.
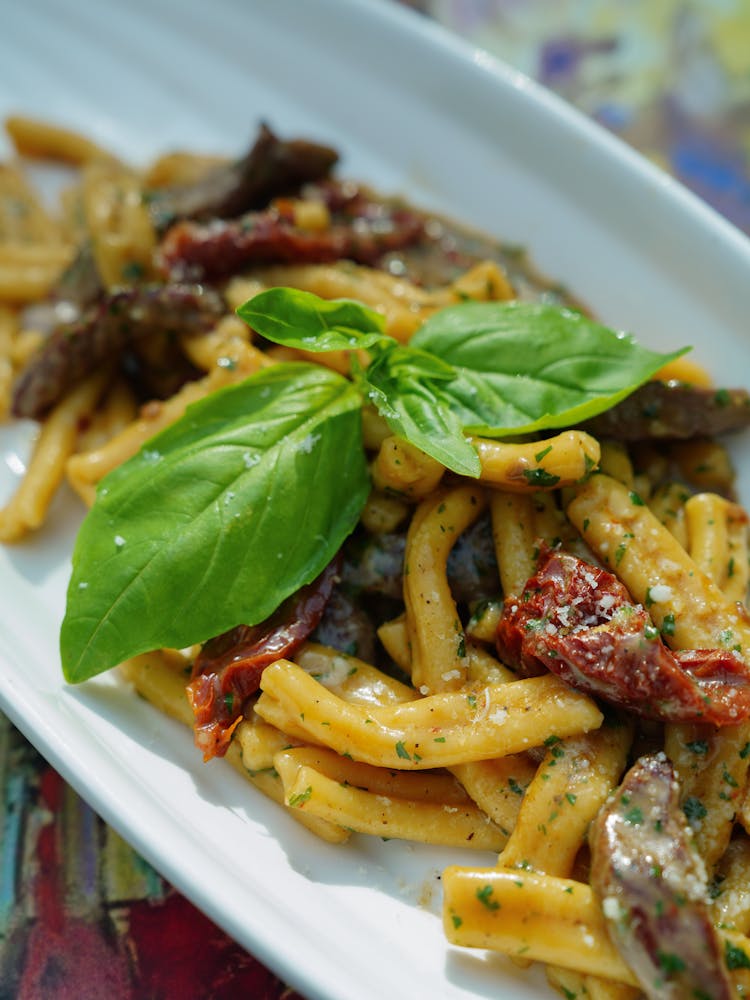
pixel 415 407
pixel 528 366
pixel 218 518
pixel 397 380
pixel 300 319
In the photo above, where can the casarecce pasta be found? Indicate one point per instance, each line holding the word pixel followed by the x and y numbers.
pixel 501 659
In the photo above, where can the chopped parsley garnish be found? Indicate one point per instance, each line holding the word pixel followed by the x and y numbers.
pixel 484 895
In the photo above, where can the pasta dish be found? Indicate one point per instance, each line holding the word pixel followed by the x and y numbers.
pixel 400 530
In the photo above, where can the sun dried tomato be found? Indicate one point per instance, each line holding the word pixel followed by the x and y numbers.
pixel 579 622
pixel 228 669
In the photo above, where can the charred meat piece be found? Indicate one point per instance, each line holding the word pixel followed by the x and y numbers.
pixel 272 167
pixel 80 284
pixel 74 350
pixel 228 669
pixel 651 884
pixel 374 564
pixel 579 622
pixel 673 410
pixel 218 249
pixel 347 627
pixel 472 565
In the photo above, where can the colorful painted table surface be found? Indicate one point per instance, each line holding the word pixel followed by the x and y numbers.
pixel 81 914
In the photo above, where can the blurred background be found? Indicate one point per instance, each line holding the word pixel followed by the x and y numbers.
pixel 81 914
pixel 670 77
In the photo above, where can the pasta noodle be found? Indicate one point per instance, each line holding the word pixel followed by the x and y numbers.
pixel 411 699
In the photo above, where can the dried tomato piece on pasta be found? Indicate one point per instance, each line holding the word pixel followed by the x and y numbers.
pixel 228 669
pixel 579 622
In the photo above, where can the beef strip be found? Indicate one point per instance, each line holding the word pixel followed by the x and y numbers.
pixel 673 410
pixel 270 168
pixel 76 349
pixel 652 884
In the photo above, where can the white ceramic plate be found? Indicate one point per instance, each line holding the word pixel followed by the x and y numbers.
pixel 413 111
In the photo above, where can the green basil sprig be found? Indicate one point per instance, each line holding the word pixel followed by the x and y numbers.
pixel 248 496
pixel 496 369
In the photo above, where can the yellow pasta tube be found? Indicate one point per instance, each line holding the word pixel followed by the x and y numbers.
pixel 438 787
pixel 573 985
pixel 615 462
pixel 717 541
pixel 685 369
pixel 346 677
pixel 227 345
pixel 404 469
pixel 25 345
pixel 514 537
pixel 546 919
pixel 708 545
pixel 437 731
pixel 161 678
pixel 730 899
pixel 23 217
pixel 422 820
pixel 350 678
pixel 552 463
pixel 497 786
pixel 179 167
pixel 436 636
pixel 276 714
pixel 29 271
pixel 482 626
pixel 374 428
pixel 482 667
pixel 115 412
pixel 572 783
pixel 537 917
pixel 42 140
pixel 8 330
pixel 705 463
pixel 668 505
pixel 46 256
pixel 685 604
pixel 120 228
pixel 712 765
pixel 485 669
pixel 395 639
pixel 28 508
pixel 259 742
pixel 383 513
